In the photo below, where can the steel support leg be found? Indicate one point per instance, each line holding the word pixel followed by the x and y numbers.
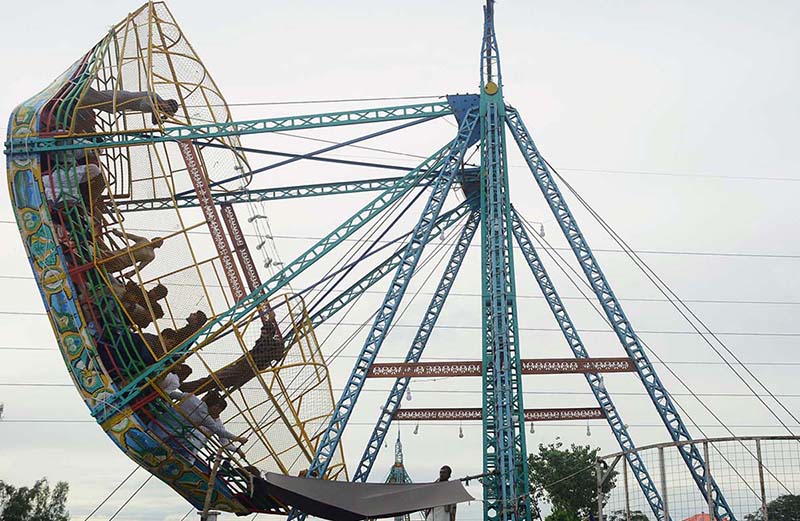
pixel 417 347
pixel 619 321
pixel 594 380
pixel 383 320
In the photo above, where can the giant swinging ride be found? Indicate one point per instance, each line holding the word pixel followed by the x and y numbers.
pixel 137 129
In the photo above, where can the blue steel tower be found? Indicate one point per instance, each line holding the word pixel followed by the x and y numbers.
pixel 483 119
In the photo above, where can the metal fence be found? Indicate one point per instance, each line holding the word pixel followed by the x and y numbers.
pixel 751 472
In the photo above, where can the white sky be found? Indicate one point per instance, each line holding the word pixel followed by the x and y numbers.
pixel 676 120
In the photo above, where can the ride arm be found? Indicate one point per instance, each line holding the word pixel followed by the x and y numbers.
pixel 417 346
pixel 280 279
pixel 226 129
pixel 623 328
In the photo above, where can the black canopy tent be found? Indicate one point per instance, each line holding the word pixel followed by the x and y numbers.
pixel 345 501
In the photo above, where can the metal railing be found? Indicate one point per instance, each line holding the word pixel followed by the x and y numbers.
pixel 750 471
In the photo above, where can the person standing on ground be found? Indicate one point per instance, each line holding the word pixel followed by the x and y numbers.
pixel 446 512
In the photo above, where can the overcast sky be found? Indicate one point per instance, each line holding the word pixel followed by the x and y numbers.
pixel 677 121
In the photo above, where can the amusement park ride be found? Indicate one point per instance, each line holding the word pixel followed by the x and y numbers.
pixel 136 129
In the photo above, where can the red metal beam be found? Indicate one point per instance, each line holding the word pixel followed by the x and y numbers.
pixel 536 415
pixel 529 366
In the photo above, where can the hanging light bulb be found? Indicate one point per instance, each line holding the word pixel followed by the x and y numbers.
pixel 256 216
pixel 416 428
pixel 588 430
pixel 460 431
pixel 385 445
pixel 261 244
pixel 541 230
pixel 408 394
pixel 533 431
pixel 268 262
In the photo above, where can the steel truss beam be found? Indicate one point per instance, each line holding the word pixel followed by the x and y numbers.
pixel 279 193
pixel 474 368
pixel 265 194
pixel 226 129
pixel 417 347
pixel 619 321
pixel 595 381
pixel 531 415
pixel 357 289
pixel 277 281
pixel 383 320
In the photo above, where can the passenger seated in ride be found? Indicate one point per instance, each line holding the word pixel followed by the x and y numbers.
pixel 171 338
pixel 198 420
pixel 171 383
pixel 120 101
pixel 138 255
pixel 267 351
pixel 142 306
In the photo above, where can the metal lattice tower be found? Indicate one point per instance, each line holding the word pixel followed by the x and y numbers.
pixel 482 121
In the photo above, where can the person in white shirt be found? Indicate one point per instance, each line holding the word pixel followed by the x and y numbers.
pixel 198 420
pixel 171 383
pixel 446 512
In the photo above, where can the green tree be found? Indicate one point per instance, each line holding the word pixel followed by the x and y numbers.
pixel 566 478
pixel 562 515
pixel 782 508
pixel 37 503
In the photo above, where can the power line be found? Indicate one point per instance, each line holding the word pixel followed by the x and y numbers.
pixel 552 392
pixel 462 359
pixel 539 329
pixel 753 255
pixel 103 502
pixel 524 296
pixel 684 310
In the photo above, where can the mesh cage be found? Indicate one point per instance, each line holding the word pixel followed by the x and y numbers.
pixel 144 283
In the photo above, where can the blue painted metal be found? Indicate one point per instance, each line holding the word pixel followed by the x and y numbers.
pixel 461 104
pixel 383 320
pixel 506 491
pixel 232 128
pixel 280 279
pixel 595 381
pixel 357 289
pixel 622 327
pixel 417 347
